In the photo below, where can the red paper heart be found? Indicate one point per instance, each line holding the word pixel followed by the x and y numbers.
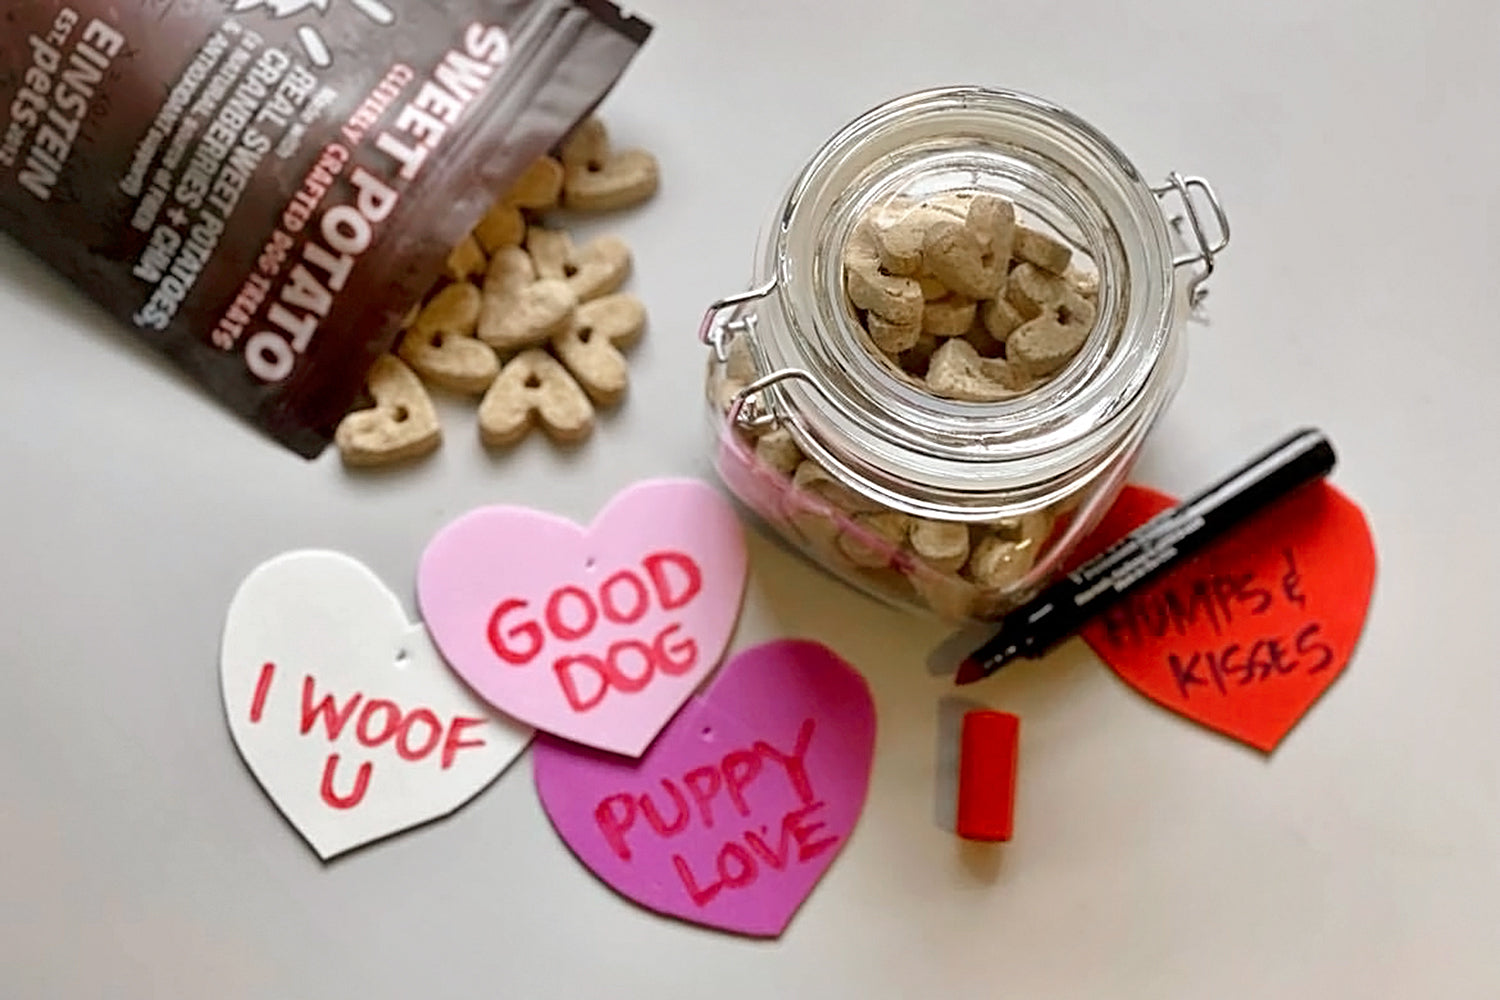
pixel 1245 636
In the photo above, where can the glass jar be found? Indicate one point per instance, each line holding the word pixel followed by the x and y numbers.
pixel 853 441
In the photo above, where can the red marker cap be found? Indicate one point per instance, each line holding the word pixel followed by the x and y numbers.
pixel 987 775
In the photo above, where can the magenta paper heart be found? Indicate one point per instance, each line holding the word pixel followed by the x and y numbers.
pixel 598 636
pixel 741 804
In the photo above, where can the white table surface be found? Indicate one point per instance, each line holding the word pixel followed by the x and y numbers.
pixel 1356 148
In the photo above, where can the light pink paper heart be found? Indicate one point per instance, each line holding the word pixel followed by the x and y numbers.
pixel 597 635
pixel 741 804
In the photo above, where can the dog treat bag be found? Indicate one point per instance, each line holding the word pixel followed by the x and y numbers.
pixel 262 188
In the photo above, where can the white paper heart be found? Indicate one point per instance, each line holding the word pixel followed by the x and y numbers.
pixel 344 710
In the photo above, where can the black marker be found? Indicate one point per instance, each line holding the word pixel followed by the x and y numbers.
pixel 1159 544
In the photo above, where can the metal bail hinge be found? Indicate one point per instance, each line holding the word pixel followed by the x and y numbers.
pixel 711 331
pixel 747 408
pixel 1207 248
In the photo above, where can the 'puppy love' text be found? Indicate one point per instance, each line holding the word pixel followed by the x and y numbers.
pixel 756 830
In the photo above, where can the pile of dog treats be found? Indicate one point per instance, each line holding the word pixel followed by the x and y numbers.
pixel 525 321
pixel 959 570
pixel 958 296
pixel 955 292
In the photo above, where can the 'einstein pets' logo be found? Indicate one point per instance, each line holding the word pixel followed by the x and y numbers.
pixel 308 34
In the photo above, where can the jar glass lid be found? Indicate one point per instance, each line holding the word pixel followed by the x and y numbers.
pixel 889 434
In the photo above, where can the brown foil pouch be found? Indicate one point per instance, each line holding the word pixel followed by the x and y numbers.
pixel 262 188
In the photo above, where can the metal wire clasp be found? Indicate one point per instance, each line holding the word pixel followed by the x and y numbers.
pixel 1207 248
pixel 711 331
pixel 745 409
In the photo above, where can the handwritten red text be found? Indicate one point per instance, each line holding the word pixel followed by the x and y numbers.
pixel 715 797
pixel 520 633
pixel 415 734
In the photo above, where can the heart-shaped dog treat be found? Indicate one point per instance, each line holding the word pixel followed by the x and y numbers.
pixel 533 387
pixel 466 260
pixel 344 711
pixel 590 347
pixel 539 188
pixel 440 344
pixel 596 179
pixel 1245 636
pixel 597 634
pixel 402 424
pixel 598 268
pixel 502 226
pixel 518 310
pixel 740 805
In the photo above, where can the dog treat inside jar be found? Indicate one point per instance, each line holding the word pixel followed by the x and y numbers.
pixel 969 314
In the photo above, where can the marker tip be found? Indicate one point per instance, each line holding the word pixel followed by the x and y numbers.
pixel 969 671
